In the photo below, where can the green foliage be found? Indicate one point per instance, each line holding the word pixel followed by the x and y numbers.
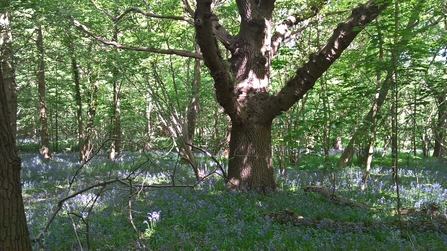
pixel 156 87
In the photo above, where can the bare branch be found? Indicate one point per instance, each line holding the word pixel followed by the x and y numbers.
pixel 224 174
pixel 182 53
pixel 102 10
pixel 147 14
pixel 125 182
pixel 63 200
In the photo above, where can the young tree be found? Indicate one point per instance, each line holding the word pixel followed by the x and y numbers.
pixel 44 134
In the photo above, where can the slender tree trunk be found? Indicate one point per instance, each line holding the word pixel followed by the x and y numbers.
pixel 90 126
pixel 115 147
pixel 374 110
pixel 327 123
pixel 394 108
pixel 441 125
pixel 56 121
pixel 87 145
pixel 148 121
pixel 194 103
pixel 382 91
pixel 14 233
pixel 187 134
pixel 414 122
pixel 77 82
pixel 44 134
pixel 369 121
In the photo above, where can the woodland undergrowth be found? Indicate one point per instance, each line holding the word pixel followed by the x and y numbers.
pixel 153 202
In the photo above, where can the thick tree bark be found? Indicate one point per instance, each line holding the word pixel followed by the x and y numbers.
pixel 44 134
pixel 7 67
pixel 250 157
pixel 242 87
pixel 14 233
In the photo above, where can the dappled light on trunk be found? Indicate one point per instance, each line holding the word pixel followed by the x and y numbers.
pixel 250 159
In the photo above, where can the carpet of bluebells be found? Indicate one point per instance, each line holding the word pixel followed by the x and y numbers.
pixel 209 217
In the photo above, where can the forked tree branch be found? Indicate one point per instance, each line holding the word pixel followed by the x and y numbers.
pixel 219 31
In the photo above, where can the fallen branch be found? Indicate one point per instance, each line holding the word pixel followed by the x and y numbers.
pixel 334 197
pixel 125 182
pixel 287 216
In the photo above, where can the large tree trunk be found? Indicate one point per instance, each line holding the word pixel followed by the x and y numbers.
pixel 14 233
pixel 250 157
pixel 44 134
pixel 242 85
pixel 8 70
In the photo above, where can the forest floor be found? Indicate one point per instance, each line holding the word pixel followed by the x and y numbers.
pixel 153 202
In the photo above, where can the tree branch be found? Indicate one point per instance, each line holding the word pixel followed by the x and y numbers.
pixel 102 10
pixel 147 14
pixel 182 53
pixel 223 82
pixel 282 28
pixel 320 61
pixel 187 7
pixel 222 34
pixel 142 12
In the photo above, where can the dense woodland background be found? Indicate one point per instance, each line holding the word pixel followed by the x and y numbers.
pixel 102 83
pixel 131 100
